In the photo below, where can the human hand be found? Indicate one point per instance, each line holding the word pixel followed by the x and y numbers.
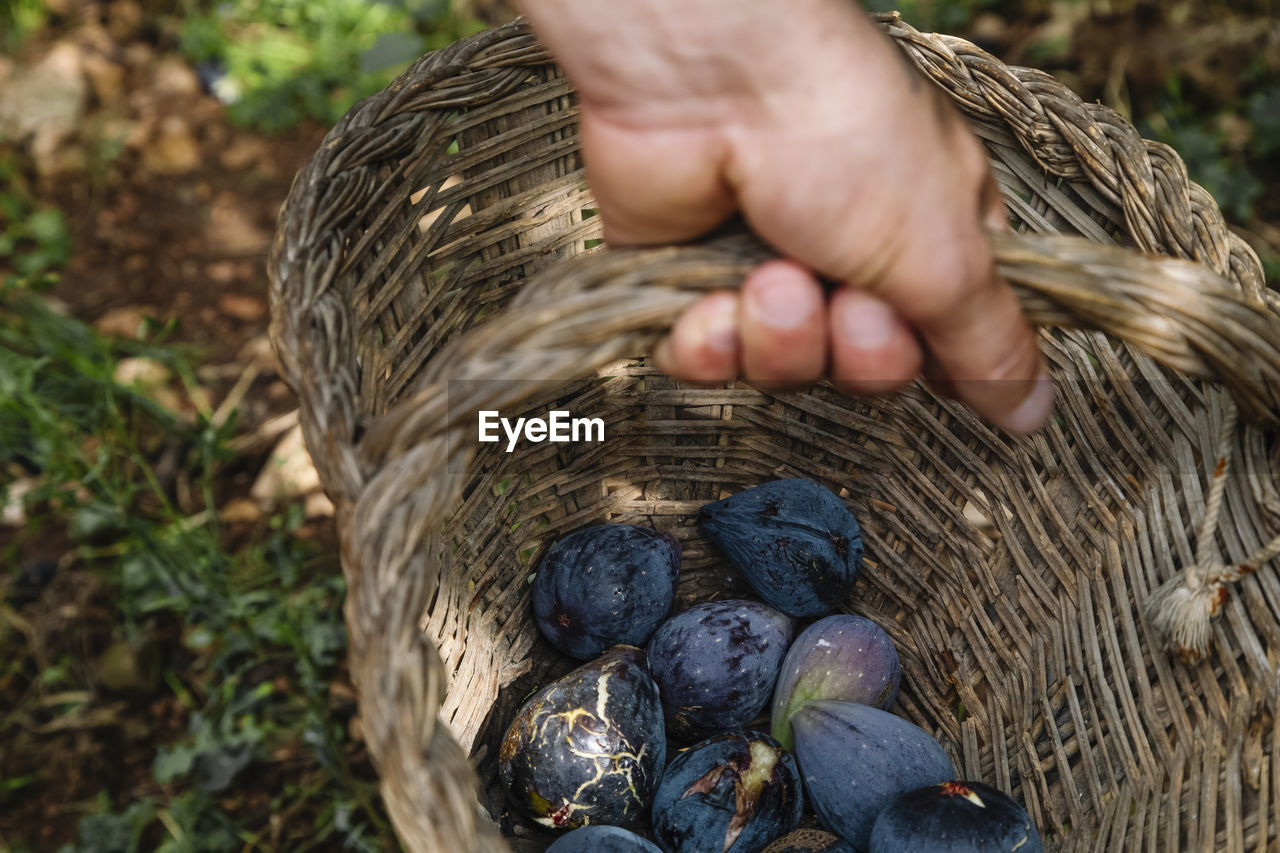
pixel 802 117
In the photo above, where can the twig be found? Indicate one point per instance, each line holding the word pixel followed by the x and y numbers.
pixel 236 395
pixel 269 431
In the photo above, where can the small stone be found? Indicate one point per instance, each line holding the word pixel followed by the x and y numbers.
pixel 278 391
pixel 126 322
pixel 318 505
pixel 246 308
pixel 124 19
pixel 147 373
pixel 288 472
pixel 43 105
pixel 13 513
pixel 243 152
pixel 174 150
pixel 233 229
pixel 221 271
pixel 65 8
pixel 172 76
pixel 106 78
pixel 989 28
pixel 120 667
pixel 139 54
pixel 258 350
pixel 240 511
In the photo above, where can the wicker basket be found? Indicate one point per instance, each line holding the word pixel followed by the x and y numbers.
pixel 1011 571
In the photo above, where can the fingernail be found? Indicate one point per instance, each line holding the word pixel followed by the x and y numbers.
pixel 721 330
pixel 785 304
pixel 1034 409
pixel 866 322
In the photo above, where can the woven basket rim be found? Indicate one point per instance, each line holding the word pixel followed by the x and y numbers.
pixel 359 459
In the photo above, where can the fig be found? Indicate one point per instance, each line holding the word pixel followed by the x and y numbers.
pixel 856 759
pixel 729 794
pixel 589 747
pixel 602 839
pixel 603 586
pixel 716 664
pixel 810 841
pixel 955 817
pixel 838 657
pixel 797 544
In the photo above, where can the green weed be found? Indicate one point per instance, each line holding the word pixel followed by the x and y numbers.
pixel 289 60
pixel 34 240
pixel 1225 167
pixel 18 20
pixel 257 627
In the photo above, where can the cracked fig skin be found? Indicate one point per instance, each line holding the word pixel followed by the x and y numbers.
pixel 732 793
pixel 588 748
pixel 797 544
pixel 955 817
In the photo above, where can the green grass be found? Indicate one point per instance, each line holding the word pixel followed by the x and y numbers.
pixel 289 60
pixel 257 624
pixel 34 241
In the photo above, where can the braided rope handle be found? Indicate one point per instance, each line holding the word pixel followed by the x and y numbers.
pixel 391 487
pixel 1182 609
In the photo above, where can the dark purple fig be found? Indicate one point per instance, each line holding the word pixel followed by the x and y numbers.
pixel 955 817
pixel 716 664
pixel 810 841
pixel 839 657
pixel 588 748
pixel 605 585
pixel 856 760
pixel 730 794
pixel 797 544
pixel 603 839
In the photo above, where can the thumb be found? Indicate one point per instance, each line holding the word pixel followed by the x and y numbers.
pixel 981 341
pixel 656 185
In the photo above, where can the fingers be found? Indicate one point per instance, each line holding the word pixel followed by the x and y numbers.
pixel 783 323
pixel 980 348
pixel 773 332
pixel 872 350
pixel 660 186
pixel 703 345
pixel 981 343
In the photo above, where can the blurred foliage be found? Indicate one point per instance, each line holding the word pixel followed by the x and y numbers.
pixel 18 20
pixel 277 62
pixel 34 240
pixel 256 627
pixel 1224 145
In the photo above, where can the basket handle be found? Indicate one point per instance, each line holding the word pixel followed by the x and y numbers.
pixel 581 315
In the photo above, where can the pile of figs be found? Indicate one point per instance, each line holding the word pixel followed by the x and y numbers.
pixel 780 707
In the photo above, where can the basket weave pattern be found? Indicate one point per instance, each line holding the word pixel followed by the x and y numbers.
pixel 426 267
